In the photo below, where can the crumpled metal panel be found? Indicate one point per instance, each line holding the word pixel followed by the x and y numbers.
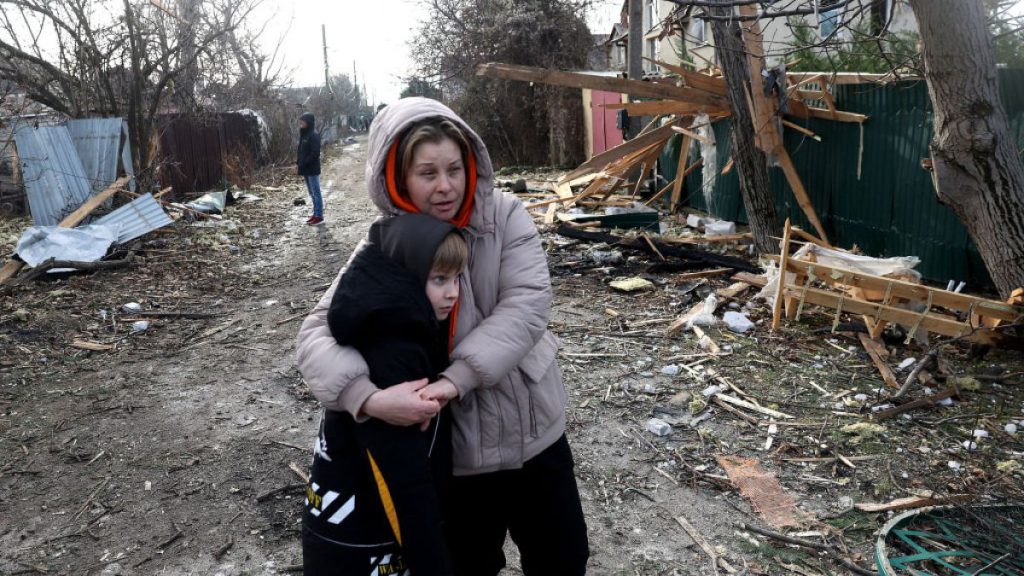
pixel 55 181
pixel 136 218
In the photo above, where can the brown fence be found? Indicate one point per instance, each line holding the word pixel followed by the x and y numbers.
pixel 199 152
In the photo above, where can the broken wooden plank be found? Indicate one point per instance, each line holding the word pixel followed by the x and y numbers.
pixel 786 163
pixel 763 490
pixel 680 278
pixel 90 345
pixel 691 134
pixel 705 341
pixel 605 83
pixel 767 136
pixel 677 184
pixel 656 107
pixel 656 136
pixel 713 84
pixel 876 351
pixel 777 306
pixel 801 129
pixel 914 502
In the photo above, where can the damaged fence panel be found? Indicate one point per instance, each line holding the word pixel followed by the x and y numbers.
pixel 140 216
pixel 98 142
pixel 55 181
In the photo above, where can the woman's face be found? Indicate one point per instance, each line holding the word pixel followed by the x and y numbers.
pixel 436 180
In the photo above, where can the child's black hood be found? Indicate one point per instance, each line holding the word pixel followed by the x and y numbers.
pixel 411 241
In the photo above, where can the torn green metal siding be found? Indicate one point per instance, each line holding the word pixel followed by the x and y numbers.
pixel 888 206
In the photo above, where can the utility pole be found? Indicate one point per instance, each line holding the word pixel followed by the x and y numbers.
pixel 635 52
pixel 327 71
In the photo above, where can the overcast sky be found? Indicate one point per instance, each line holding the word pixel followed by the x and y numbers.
pixel 374 34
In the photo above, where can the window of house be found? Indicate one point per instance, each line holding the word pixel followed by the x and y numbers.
pixel 828 21
pixel 697 32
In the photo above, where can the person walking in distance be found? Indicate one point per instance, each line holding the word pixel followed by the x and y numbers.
pixel 307 164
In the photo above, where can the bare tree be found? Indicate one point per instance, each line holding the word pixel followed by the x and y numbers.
pixel 118 57
pixel 522 124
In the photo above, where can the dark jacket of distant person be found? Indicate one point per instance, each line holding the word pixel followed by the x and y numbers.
pixel 308 157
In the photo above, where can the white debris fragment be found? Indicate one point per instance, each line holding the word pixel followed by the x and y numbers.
pixel 861 397
pixel 132 308
pixel 671 370
pixel 140 326
pixel 907 363
pixel 737 321
pixel 946 402
pixel 719 228
pixel 969 445
pixel 1011 429
pixel 980 434
pixel 954 465
pixel 659 427
pixel 712 390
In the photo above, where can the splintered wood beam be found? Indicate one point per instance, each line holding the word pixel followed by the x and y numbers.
pixel 842 77
pixel 606 83
pixel 786 163
pixel 692 134
pixel 677 184
pixel 765 110
pixel 801 130
pixel 712 84
pixel 656 136
pixel 653 108
pixel 784 258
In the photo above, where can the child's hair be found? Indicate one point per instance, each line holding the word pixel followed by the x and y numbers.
pixel 433 130
pixel 452 255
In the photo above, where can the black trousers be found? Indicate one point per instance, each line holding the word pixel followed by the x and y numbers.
pixel 538 505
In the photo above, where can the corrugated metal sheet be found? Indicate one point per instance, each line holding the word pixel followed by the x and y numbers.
pixel 98 142
pixel 890 207
pixel 136 218
pixel 52 172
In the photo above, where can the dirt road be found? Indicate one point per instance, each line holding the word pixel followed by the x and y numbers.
pixel 163 456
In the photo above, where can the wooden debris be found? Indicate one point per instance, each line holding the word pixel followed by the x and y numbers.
pixel 605 83
pixel 763 490
pixel 680 278
pixel 89 345
pixel 700 541
pixel 915 404
pixel 777 306
pixel 914 502
pixel 753 407
pixel 877 352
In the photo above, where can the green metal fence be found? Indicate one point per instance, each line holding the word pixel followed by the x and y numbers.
pixel 866 181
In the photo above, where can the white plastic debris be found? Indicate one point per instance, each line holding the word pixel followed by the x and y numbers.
pixel 719 228
pixel 132 308
pixel 907 363
pixel 706 317
pixel 671 370
pixel 659 427
pixel 969 445
pixel 954 465
pixel 694 221
pixel 861 397
pixel 712 390
pixel 705 342
pixel 980 434
pixel 737 321
pixel 140 326
pixel 946 402
pixel 1010 429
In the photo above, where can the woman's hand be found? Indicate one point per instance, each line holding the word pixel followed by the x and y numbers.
pixel 402 404
pixel 442 391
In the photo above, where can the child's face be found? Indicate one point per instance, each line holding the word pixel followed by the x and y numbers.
pixel 443 292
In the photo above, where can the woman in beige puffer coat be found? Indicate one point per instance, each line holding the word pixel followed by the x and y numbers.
pixel 513 470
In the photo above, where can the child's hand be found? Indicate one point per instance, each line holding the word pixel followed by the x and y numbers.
pixel 442 391
pixel 402 404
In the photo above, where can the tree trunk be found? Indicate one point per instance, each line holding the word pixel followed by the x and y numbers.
pixel 751 163
pixel 977 170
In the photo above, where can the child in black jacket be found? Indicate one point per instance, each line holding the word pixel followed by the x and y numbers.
pixel 373 504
